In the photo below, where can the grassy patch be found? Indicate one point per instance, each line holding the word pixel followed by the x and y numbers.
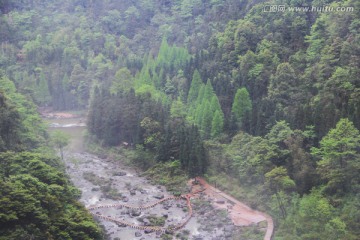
pixel 74 161
pixel 169 175
pixel 94 179
pixel 166 237
pixel 105 185
pixel 157 221
pixel 244 193
pixel 110 192
pixel 252 232
pixel 183 235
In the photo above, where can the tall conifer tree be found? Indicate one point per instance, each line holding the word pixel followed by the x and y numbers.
pixel 196 84
pixel 241 106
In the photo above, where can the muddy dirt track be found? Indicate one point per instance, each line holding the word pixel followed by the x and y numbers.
pixel 240 214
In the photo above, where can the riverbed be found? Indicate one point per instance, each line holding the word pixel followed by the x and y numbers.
pixel 110 182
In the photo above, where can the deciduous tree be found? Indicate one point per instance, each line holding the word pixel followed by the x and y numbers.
pixel 339 156
pixel 60 140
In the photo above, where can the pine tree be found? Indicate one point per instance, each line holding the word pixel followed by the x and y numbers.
pixel 209 92
pixel 178 109
pixel 206 121
pixel 199 111
pixel 215 105
pixel 241 106
pixel 217 124
pixel 163 52
pixel 196 84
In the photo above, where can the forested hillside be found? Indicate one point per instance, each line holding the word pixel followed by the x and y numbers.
pixel 57 51
pixel 265 104
pixel 37 200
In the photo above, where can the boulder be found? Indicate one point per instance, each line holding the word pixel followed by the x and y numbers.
pixel 119 174
pixel 228 228
pixel 159 196
pixel 135 212
pixel 146 222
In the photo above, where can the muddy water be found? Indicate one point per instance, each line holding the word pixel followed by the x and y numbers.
pixel 74 127
pixel 134 190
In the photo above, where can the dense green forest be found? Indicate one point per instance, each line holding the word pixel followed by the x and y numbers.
pixel 37 200
pixel 267 104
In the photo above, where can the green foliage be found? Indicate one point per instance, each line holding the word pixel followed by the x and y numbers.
pixel 178 109
pixel 94 179
pixel 168 174
pixel 37 200
pixel 267 74
pixel 241 106
pixel 156 221
pixel 196 83
pixel 109 192
pixel 250 157
pixel 205 109
pixel 217 124
pixel 126 117
pixel 281 163
pixel 152 132
pixel 282 86
pixel 278 179
pixel 21 126
pixel 123 81
pixel 183 142
pixel 206 120
pixel 339 158
pixel 60 140
pixel 160 76
pixel 9 126
pixel 350 215
pixel 278 182
pixel 315 212
pixel 42 92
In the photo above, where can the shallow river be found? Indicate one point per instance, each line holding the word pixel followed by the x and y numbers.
pixel 91 174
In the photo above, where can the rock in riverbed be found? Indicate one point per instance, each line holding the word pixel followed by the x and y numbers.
pixel 159 196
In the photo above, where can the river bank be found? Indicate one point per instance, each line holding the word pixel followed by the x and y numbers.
pixel 106 181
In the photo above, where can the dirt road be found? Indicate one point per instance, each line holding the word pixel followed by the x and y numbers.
pixel 240 214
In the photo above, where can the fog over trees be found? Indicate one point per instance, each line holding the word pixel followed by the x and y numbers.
pixel 266 104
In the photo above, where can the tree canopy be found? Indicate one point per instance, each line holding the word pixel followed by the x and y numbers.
pixel 269 101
